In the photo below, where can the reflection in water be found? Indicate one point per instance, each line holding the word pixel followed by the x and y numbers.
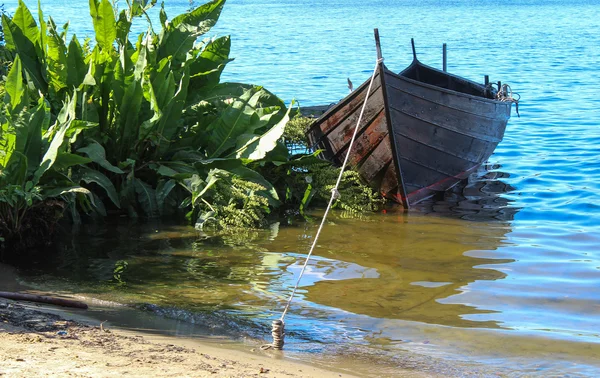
pixel 427 281
pixel 479 198
pixel 390 266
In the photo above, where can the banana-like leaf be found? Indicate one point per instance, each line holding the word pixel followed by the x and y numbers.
pixel 39 120
pixel 52 151
pixel 123 27
pixel 163 15
pixel 233 122
pixel 18 43
pixel 163 84
pixel 204 219
pixel 147 198
pixel 132 101
pixel 56 58
pixel 75 61
pixel 89 175
pixel 308 195
pixel 206 70
pixel 97 154
pixel 25 21
pixel 162 192
pixel 178 37
pixel 105 26
pixel 138 7
pixel 15 172
pixel 14 86
pixel 169 123
pixel 59 191
pixel 203 18
pixel 66 160
pixel 258 147
pixel 43 29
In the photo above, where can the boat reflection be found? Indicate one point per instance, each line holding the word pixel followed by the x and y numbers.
pixel 420 259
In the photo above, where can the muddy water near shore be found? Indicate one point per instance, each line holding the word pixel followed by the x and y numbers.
pixel 446 288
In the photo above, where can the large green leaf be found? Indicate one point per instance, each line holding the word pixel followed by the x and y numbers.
pixel 258 147
pixel 43 29
pixel 25 21
pixel 15 172
pixel 15 89
pixel 39 121
pixel 147 198
pixel 59 191
pixel 178 37
pixel 52 151
pixel 56 59
pixel 206 70
pixel 162 192
pixel 123 27
pixel 105 26
pixel 169 123
pixel 89 175
pixel 233 122
pixel 97 154
pixel 202 18
pixel 18 43
pixel 75 61
pixel 66 160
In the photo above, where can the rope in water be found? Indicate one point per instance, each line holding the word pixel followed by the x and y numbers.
pixel 278 325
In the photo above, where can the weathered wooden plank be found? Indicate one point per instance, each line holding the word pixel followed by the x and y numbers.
pixel 466 103
pixel 346 108
pixel 432 158
pixel 376 161
pixel 457 144
pixel 342 134
pixel 491 130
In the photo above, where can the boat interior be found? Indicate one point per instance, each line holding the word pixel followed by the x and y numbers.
pixel 429 75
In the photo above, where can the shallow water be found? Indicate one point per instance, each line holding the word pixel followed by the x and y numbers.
pixel 503 274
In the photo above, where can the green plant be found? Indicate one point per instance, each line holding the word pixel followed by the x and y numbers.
pixel 156 116
pixel 143 125
pixel 35 159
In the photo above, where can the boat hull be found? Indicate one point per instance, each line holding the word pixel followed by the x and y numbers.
pixel 417 136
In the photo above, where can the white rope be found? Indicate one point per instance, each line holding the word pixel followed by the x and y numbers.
pixel 334 192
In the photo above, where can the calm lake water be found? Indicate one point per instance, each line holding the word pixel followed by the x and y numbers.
pixel 501 276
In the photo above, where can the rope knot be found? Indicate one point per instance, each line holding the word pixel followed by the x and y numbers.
pixel 335 193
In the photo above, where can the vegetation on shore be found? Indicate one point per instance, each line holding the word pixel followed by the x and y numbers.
pixel 143 126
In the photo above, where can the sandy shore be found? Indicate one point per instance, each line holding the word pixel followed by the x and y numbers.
pixel 35 342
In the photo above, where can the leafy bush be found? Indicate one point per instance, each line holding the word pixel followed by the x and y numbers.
pixel 156 118
pixel 141 125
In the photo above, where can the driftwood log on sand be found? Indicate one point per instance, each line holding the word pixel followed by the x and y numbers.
pixel 43 299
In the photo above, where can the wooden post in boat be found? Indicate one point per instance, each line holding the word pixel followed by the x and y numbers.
pixel 412 43
pixel 444 58
pixel 486 80
pixel 378 44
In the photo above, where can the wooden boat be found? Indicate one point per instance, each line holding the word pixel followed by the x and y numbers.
pixel 423 130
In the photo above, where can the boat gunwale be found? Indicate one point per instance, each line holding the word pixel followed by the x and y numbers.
pixel 447 106
pixel 334 107
pixel 417 62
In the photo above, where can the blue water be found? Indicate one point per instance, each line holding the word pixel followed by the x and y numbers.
pixel 531 286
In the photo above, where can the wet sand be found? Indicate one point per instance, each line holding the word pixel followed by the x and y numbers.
pixel 35 342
